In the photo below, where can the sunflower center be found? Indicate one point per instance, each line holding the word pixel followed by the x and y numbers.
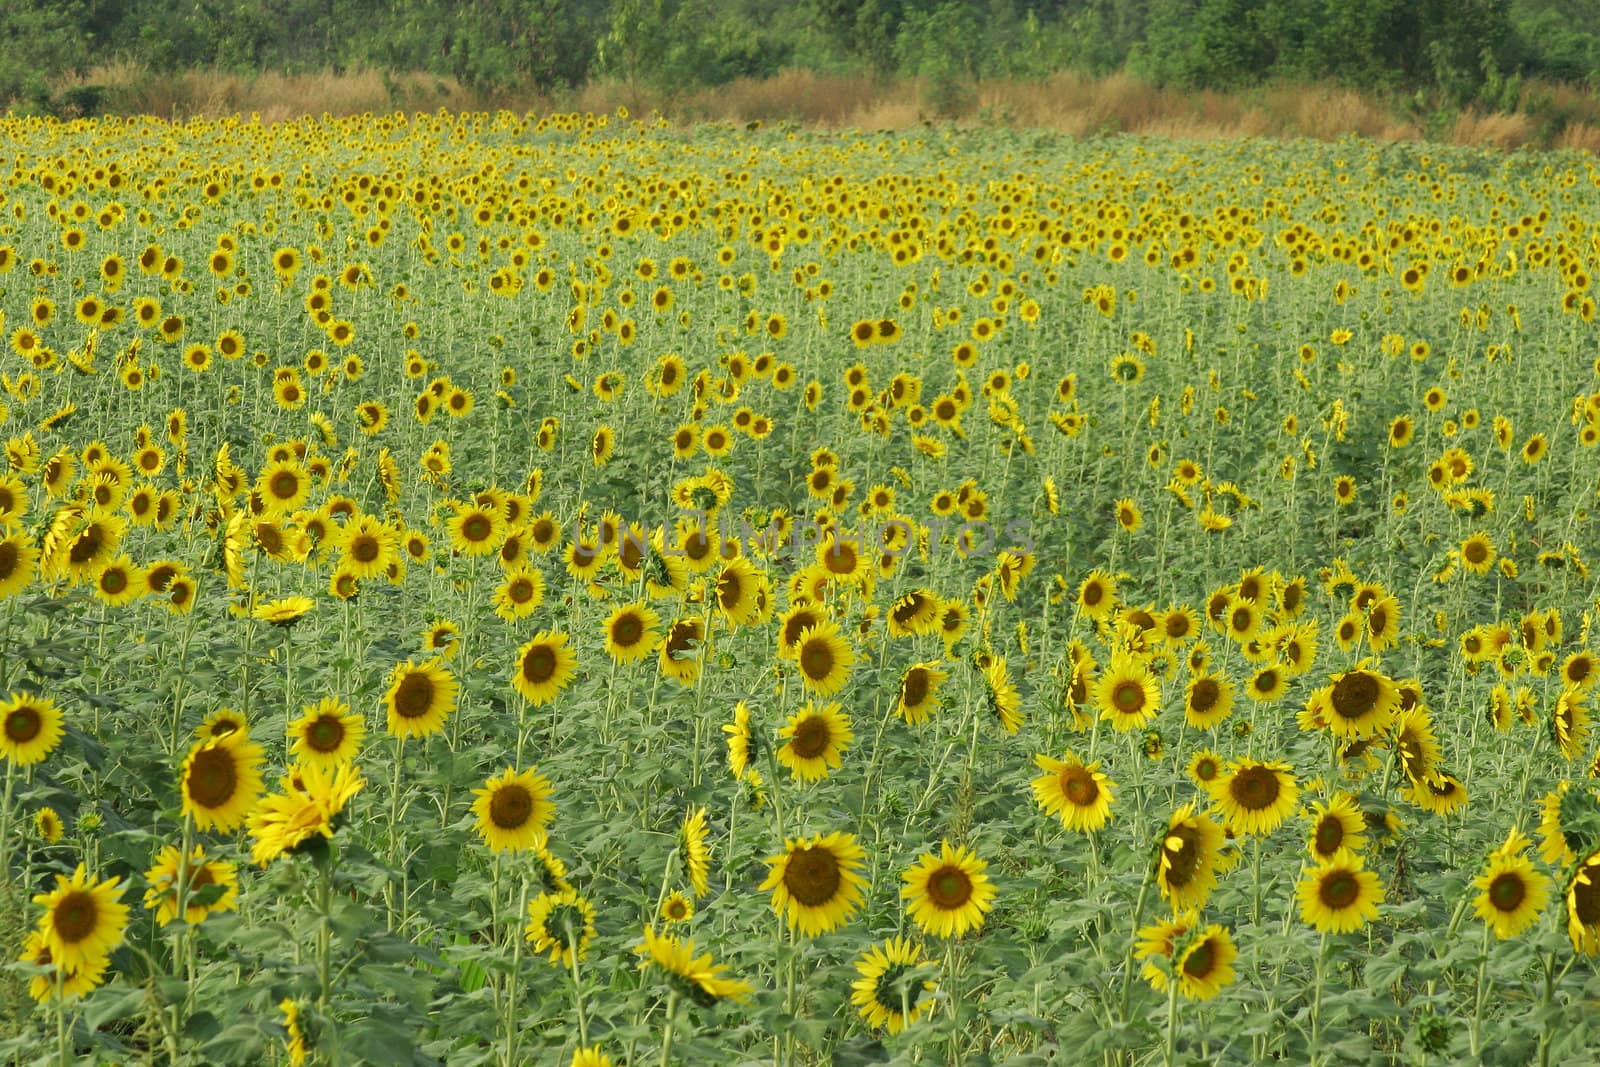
pixel 539 664
pixel 1507 891
pixel 24 724
pixel 840 559
pixel 949 888
pixel 730 591
pixel 414 696
pixel 813 876
pixel 1200 961
pixel 914 688
pixel 1203 697
pixel 1329 835
pixel 510 806
pixel 364 549
pixel 627 631
pixel 1079 786
pixel 325 734
pixel 1355 695
pixel 1585 900
pixel 1092 594
pixel 284 485
pixel 113 580
pixel 9 555
pixel 1475 551
pixel 798 624
pixel 1339 890
pixel 816 659
pixel 87 546
pixel 75 916
pixel 887 989
pixel 811 737
pixel 1578 670
pixel 200 877
pixel 681 639
pixel 1181 853
pixel 1255 788
pixel 1128 697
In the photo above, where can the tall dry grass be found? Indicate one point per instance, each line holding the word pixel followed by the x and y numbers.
pixel 1080 105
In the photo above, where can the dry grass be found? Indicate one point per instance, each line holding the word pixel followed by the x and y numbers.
pixel 1071 103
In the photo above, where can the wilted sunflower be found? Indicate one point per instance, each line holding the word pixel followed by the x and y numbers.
pixel 1338 824
pixel 696 976
pixel 420 697
pixel 561 924
pixel 816 883
pixel 824 658
pixel 1187 862
pixel 889 993
pixel 1127 694
pixel 327 734
pixel 694 852
pixel 30 728
pixel 1080 794
pixel 815 740
pixel 631 634
pixel 919 692
pixel 1512 891
pixel 311 801
pixel 1256 796
pixel 513 810
pixel 82 921
pixel 948 893
pixel 1339 895
pixel 221 782
pixel 199 900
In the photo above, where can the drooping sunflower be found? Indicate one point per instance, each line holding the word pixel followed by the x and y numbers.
pixel 30 728
pixel 1569 823
pixel 1079 793
pixel 544 667
pixel 816 883
pixel 327 733
pixel 694 852
pixel 1256 796
pixel 83 920
pixel 1000 696
pixel 815 740
pixel 285 611
pixel 631 633
pixel 738 732
pixel 1511 890
pixel 824 658
pixel 561 924
pixel 165 876
pixel 914 613
pixel 513 810
pixel 420 697
pixel 948 893
pixel 309 805
pixel 702 978
pixel 1127 694
pixel 221 781
pixel 919 692
pixel 890 993
pixel 1335 825
pixel 1187 863
pixel 1339 895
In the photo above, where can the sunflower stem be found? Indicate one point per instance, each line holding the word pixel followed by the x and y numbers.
pixel 1171 1052
pixel 324 930
pixel 5 823
pixel 1127 961
pixel 577 983
pixel 666 1037
pixel 64 1052
pixel 394 833
pixel 1481 993
pixel 510 1018
pixel 1316 1001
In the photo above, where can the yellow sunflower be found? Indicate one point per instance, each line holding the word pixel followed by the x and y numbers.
pixel 1001 697
pixel 561 924
pixel 948 893
pixel 703 978
pixel 73 981
pixel 513 810
pixel 1335 825
pixel 631 634
pixel 1339 895
pixel 420 697
pixel 890 992
pixel 311 802
pixel 200 899
pixel 1511 890
pixel 816 883
pixel 83 921
pixel 694 852
pixel 221 781
pixel 1127 694
pixel 1079 793
pixel 1256 796
pixel 545 666
pixel 327 734
pixel 824 658
pixel 1187 864
pixel 815 740
pixel 30 728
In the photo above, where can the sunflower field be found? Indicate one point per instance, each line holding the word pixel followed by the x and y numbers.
pixel 495 589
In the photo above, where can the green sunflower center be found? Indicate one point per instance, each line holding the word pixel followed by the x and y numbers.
pixel 1129 697
pixel 285 485
pixel 477 527
pixel 813 876
pixel 1508 891
pixel 1339 889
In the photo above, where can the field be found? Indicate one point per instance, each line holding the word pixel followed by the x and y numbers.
pixel 581 590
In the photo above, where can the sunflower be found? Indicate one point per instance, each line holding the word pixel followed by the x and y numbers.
pixel 1511 891
pixel 889 993
pixel 1438 793
pixel 1339 895
pixel 1256 796
pixel 420 697
pixel 631 634
pixel 70 982
pixel 18 561
pixel 824 658
pixel 311 802
pixel 367 548
pixel 1583 906
pixel 816 740
pixel 682 653
pixel 738 732
pixel 1338 824
pixel 949 893
pixel 1360 703
pixel 1127 694
pixel 1569 824
pixel 545 666
pixel 83 920
pixel 676 908
pixel 919 692
pixel 30 728
pixel 513 810
pixel 222 723
pixel 47 824
pixel 1187 862
pixel 1080 794
pixel 199 900
pixel 694 851
pixel 1097 595
pixel 697 976
pixel 327 734
pixel 1207 700
pixel 914 613
pixel 476 530
pixel 561 924
pixel 520 594
pixel 221 781
pixel 816 883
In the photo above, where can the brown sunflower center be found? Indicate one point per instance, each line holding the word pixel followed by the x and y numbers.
pixel 510 806
pixel 681 639
pixel 840 559
pixel 1203 696
pixel 87 546
pixel 284 485
pixel 1180 853
pixel 1585 898
pixel 213 777
pixel 1508 891
pixel 113 580
pixel 1339 890
pixel 816 659
pixel 1255 788
pixel 24 724
pixel 539 665
pixel 1329 835
pixel 75 916
pixel 1355 695
pixel 1475 551
pixel 325 734
pixel 949 888
pixel 364 549
pixel 1129 697
pixel 1079 786
pixel 1092 594
pixel 627 631
pixel 813 876
pixel 476 528
pixel 811 737
pixel 413 697
pixel 1201 960
pixel 730 591
pixel 10 555
pixel 798 623
pixel 914 687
